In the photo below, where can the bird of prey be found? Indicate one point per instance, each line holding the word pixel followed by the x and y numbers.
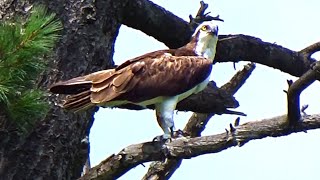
pixel 161 78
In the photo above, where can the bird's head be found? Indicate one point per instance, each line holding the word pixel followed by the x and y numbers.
pixel 206 38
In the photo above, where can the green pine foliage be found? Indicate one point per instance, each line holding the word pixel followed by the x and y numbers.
pixel 23 46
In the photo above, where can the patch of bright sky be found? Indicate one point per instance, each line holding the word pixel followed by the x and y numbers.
pixel 290 23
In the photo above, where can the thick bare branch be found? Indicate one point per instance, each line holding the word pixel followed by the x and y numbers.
pixel 174 32
pixel 295 90
pixel 184 148
pixel 155 21
pixel 247 48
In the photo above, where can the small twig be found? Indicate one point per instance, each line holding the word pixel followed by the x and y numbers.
pixel 226 131
pixel 232 129
pixel 237 122
pixel 202 16
pixel 295 90
pixel 290 82
pixel 232 135
pixel 303 109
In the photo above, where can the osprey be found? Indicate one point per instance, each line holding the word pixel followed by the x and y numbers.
pixel 161 78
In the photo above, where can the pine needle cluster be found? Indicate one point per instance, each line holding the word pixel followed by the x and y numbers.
pixel 23 46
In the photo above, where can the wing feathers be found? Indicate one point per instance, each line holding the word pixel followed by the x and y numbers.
pixel 118 83
pixel 122 78
pixel 137 80
pixel 100 76
pixel 103 96
pixel 108 90
pixel 149 78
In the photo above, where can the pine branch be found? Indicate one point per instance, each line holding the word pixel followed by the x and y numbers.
pixel 23 45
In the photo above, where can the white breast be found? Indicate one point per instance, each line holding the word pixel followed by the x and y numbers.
pixel 194 90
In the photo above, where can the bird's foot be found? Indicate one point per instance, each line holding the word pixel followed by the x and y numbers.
pixel 163 138
pixel 179 133
pixel 173 135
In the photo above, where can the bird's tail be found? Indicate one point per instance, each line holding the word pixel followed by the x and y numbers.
pixel 78 91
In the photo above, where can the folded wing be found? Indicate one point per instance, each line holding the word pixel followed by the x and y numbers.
pixel 136 81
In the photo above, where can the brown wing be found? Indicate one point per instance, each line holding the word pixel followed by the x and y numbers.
pixel 147 78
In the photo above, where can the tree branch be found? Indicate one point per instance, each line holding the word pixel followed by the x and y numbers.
pixel 155 21
pixel 185 148
pixel 236 48
pixel 161 24
pixel 195 126
pixel 295 90
pixel 308 51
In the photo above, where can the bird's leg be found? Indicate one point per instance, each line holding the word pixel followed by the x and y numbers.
pixel 166 123
pixel 164 113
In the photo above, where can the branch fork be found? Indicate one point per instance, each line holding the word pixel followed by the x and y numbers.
pixel 294 91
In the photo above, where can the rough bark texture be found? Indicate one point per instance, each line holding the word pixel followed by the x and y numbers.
pixel 186 148
pixel 53 150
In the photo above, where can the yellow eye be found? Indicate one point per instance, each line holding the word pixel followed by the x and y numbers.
pixel 204 28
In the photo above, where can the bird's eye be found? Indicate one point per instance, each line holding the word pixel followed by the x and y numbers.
pixel 204 28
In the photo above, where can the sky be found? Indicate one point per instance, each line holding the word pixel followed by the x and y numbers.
pixel 289 23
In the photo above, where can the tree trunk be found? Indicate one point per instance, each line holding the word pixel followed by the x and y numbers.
pixel 53 150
